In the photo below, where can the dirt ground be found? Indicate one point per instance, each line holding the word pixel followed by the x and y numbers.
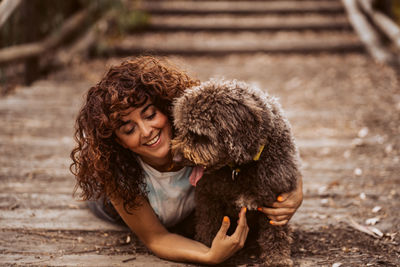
pixel 345 113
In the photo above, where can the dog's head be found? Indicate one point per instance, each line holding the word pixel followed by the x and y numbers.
pixel 217 123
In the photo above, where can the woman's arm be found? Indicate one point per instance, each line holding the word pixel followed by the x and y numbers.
pixel 286 205
pixel 145 224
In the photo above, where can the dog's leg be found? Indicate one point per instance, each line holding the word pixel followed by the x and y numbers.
pixel 209 217
pixel 275 243
pixel 208 222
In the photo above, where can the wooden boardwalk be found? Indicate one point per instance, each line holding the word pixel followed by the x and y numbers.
pixel 344 111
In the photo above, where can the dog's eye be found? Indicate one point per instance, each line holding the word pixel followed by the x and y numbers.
pixel 201 139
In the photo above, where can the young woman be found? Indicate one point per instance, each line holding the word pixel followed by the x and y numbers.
pixel 123 157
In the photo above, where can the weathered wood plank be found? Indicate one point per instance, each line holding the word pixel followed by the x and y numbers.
pixel 84 220
pixel 88 259
pixel 40 186
pixel 240 7
pixel 54 219
pixel 280 26
pixel 47 184
pixel 305 47
pixel 67 142
pixel 12 200
pixel 56 242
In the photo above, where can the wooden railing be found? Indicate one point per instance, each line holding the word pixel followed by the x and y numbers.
pixel 361 13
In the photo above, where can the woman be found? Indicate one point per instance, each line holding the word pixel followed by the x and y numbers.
pixel 123 156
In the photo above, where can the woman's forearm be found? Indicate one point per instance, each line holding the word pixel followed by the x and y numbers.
pixel 178 248
pixel 145 224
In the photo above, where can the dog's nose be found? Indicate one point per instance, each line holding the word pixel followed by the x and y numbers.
pixel 177 157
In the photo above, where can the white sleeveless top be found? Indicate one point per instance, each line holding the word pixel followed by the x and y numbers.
pixel 170 193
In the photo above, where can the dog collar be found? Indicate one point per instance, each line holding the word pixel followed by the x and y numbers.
pixel 260 150
pixel 236 170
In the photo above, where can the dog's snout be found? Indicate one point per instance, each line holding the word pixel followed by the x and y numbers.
pixel 178 157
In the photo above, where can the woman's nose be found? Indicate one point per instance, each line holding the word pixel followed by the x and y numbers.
pixel 146 129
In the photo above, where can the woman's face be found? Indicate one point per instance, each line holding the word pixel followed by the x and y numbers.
pixel 147 132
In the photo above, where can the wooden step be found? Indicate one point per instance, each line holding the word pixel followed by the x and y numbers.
pixel 244 23
pixel 251 1
pixel 240 7
pixel 204 43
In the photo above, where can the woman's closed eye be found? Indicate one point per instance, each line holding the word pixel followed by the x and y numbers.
pixel 150 117
pixel 130 130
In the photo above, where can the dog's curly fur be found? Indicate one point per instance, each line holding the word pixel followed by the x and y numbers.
pixel 223 123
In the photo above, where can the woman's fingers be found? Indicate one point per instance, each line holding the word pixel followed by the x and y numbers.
pixel 278 223
pixel 276 212
pixel 224 246
pixel 244 236
pixel 283 204
pixel 286 204
pixel 278 216
pixel 224 227
pixel 242 229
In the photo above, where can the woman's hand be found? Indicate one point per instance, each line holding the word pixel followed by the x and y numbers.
pixel 224 246
pixel 286 205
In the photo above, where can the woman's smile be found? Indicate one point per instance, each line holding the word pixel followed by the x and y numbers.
pixel 155 141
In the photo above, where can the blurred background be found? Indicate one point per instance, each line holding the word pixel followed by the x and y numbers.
pixel 73 30
pixel 333 64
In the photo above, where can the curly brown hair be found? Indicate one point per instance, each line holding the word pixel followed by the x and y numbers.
pixel 103 168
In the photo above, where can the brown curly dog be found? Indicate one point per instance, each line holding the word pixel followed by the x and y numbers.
pixel 244 142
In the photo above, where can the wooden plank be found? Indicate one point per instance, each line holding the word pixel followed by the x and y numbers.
pixel 343 47
pixel 71 248
pixel 240 7
pixel 23 139
pixel 39 191
pixel 39 183
pixel 56 242
pixel 12 200
pixel 88 259
pixel 251 1
pixel 228 47
pixel 272 28
pixel 39 186
pixel 55 219
pixel 246 23
pixel 67 142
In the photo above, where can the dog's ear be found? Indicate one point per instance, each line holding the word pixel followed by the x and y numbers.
pixel 192 115
pixel 245 137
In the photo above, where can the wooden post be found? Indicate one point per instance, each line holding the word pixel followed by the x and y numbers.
pixel 368 36
pixel 382 22
pixel 385 6
pixel 7 7
pixel 31 32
